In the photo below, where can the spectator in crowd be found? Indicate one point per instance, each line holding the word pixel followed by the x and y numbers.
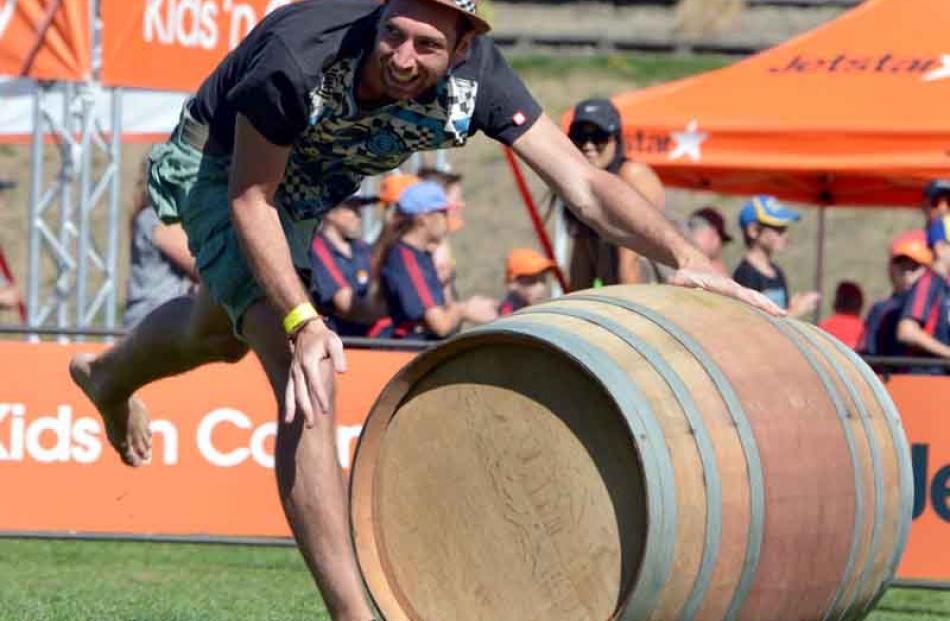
pixel 845 324
pixel 410 284
pixel 936 200
pixel 764 223
pixel 526 275
pixel 909 259
pixel 340 277
pixel 596 130
pixel 442 254
pixel 161 265
pixel 707 229
pixel 9 293
pixel 924 327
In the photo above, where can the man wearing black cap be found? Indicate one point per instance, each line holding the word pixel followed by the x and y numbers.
pixel 320 94
pixel 707 229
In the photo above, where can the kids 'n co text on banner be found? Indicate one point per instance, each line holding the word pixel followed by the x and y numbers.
pixel 173 44
pixel 213 447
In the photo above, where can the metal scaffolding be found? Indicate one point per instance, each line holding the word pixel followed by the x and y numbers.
pixel 74 207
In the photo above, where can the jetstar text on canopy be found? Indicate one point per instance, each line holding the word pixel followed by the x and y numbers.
pixel 844 62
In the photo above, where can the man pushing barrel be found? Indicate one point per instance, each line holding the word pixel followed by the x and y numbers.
pixel 320 94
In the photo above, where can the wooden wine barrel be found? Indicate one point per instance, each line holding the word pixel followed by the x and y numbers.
pixel 633 453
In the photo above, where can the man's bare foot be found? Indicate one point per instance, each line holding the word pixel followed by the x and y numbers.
pixel 125 419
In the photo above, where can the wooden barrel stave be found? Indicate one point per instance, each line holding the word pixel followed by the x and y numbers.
pixel 712 607
pixel 696 473
pixel 713 588
pixel 847 383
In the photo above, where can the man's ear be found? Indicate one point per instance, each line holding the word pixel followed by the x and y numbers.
pixel 463 47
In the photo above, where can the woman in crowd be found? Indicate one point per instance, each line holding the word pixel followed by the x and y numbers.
pixel 597 131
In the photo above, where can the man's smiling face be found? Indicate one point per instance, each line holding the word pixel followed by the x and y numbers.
pixel 417 42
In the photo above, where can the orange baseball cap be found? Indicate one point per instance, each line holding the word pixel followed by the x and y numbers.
pixel 392 186
pixel 912 244
pixel 526 262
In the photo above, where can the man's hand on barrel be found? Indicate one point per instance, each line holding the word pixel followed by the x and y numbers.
pixel 703 276
pixel 310 387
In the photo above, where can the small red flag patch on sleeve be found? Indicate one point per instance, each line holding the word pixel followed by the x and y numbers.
pixel 519 118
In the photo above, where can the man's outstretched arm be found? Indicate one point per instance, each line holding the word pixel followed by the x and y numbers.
pixel 621 214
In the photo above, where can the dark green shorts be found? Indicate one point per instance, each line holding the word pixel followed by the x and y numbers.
pixel 189 186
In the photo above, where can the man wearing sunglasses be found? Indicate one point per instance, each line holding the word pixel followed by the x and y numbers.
pixel 764 222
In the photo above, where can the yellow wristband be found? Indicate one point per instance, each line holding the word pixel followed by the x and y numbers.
pixel 301 314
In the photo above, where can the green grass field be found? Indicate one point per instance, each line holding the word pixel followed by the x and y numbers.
pixel 93 581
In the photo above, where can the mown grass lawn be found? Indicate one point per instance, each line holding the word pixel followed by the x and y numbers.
pixel 121 581
pixel 97 581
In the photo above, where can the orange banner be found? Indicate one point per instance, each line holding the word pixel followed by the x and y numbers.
pixel 212 463
pixel 45 39
pixel 924 404
pixel 173 44
pixel 214 430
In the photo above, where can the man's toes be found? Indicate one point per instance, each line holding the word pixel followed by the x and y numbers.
pixel 128 458
pixel 142 448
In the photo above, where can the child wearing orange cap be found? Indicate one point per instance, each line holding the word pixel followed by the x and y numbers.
pixel 526 275
pixel 909 259
pixel 924 326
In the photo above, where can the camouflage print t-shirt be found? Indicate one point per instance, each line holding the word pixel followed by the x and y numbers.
pixel 294 77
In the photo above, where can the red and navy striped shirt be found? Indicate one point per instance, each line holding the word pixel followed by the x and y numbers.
pixel 331 270
pixel 411 286
pixel 928 303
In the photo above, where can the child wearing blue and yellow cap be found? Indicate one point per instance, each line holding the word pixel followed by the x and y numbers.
pixel 764 223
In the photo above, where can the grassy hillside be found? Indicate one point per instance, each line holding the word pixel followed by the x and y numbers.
pixel 496 220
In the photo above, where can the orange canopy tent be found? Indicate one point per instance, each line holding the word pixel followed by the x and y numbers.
pixel 855 112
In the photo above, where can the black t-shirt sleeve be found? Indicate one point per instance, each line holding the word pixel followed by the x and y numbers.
pixel 272 93
pixel 504 108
